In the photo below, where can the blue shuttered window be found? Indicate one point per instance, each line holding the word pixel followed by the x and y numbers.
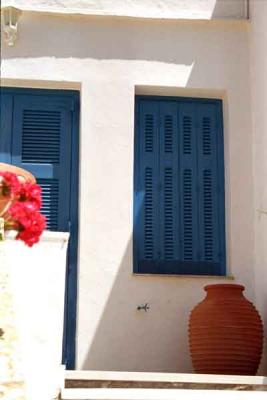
pixel 39 132
pixel 179 187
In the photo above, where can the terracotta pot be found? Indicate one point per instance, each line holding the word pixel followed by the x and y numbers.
pixel 22 174
pixel 225 332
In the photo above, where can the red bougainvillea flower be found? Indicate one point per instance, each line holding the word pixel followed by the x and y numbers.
pixel 29 192
pixel 20 204
pixel 28 221
pixel 9 183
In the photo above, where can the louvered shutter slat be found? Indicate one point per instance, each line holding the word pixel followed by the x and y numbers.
pixel 146 239
pixel 208 177
pixel 50 200
pixel 41 144
pixel 188 183
pixel 41 136
pixel 168 175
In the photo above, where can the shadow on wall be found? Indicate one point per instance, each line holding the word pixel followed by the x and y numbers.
pixel 128 339
pixel 102 38
pixel 78 48
pixel 229 9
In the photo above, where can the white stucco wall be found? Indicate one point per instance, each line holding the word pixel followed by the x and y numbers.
pixel 110 59
pixel 32 290
pixel 184 9
pixel 258 49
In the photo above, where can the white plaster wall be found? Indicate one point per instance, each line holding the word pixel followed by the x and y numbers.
pixel 258 49
pixel 111 59
pixel 188 9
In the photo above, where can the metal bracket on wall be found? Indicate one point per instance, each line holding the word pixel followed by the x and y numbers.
pixel 144 307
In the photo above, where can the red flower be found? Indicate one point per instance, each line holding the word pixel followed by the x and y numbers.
pixel 9 183
pixel 20 203
pixel 29 222
pixel 30 193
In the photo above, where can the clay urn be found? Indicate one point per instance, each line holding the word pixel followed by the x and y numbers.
pixel 23 176
pixel 225 332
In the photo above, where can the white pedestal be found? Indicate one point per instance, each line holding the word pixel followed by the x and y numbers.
pixel 37 279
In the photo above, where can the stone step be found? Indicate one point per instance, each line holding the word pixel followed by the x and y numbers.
pixel 159 394
pixel 145 380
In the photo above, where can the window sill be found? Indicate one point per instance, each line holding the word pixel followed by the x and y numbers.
pixel 227 277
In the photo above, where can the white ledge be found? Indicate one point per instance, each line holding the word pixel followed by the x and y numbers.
pixel 159 394
pixel 165 377
pixel 47 236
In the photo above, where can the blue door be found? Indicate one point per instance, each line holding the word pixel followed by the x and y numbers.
pixel 39 132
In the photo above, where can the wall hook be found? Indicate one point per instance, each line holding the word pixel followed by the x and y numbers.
pixel 144 307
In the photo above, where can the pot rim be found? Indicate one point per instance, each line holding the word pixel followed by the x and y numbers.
pixel 224 286
pixel 20 172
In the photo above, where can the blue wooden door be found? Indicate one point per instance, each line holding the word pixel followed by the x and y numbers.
pixel 39 132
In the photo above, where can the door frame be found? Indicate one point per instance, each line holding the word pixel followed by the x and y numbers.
pixel 70 309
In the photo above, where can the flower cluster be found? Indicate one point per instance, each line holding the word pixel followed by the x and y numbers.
pixel 20 204
pixel 9 183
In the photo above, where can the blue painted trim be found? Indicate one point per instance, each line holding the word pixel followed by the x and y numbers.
pixel 179 267
pixel 69 340
pixel 202 100
pixel 41 92
pixel 220 159
pixel 6 109
pixel 136 181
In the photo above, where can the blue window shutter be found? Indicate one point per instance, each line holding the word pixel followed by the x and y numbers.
pixel 188 184
pixel 41 143
pixel 146 212
pixel 169 226
pixel 179 187
pixel 210 181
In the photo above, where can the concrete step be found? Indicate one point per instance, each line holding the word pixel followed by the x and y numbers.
pixel 159 394
pixel 145 380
